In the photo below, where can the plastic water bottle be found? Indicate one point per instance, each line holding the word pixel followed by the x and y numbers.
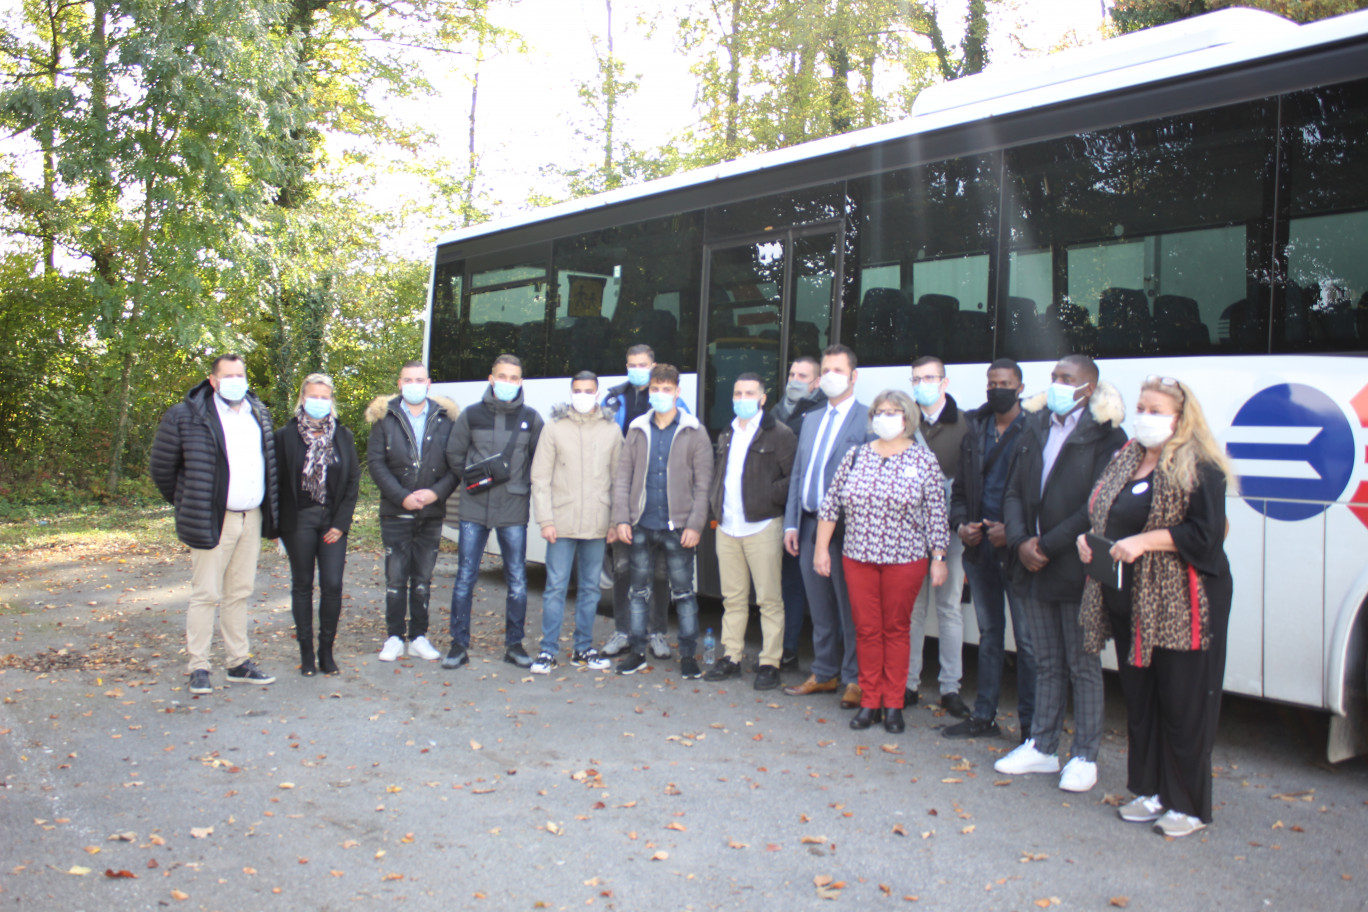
pixel 709 647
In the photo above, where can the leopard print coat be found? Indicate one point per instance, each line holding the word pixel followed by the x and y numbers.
pixel 1169 603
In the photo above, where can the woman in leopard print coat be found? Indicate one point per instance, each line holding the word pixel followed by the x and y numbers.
pixel 1161 501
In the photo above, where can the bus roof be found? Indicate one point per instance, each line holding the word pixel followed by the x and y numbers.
pixel 1218 40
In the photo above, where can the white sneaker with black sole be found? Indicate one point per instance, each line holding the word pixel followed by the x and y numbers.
pixel 422 649
pixel 1026 759
pixel 393 649
pixel 590 658
pixel 544 663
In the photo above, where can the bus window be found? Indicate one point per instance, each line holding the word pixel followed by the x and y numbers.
pixel 1137 239
pixel 505 314
pixel 1323 305
pixel 444 347
pixel 924 266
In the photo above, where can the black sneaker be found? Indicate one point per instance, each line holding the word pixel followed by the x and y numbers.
pixel 545 664
pixel 199 682
pixel 689 670
pixel 632 664
pixel 516 655
pixel 973 727
pixel 789 659
pixel 723 670
pixel 248 673
pixel 910 698
pixel 456 657
pixel 766 677
pixel 952 704
pixel 590 658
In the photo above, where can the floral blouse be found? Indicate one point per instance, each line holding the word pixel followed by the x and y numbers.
pixel 894 507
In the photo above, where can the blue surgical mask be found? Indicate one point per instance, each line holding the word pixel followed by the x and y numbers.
pixel 414 393
pixel 746 409
pixel 232 389
pixel 662 402
pixel 505 391
pixel 1060 398
pixel 317 408
pixel 638 376
pixel 926 394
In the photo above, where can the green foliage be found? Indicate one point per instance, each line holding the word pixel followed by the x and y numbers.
pixel 1134 15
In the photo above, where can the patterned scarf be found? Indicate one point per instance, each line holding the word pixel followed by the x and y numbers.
pixel 317 434
pixel 1169 608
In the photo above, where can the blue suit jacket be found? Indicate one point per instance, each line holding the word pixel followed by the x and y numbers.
pixel 852 432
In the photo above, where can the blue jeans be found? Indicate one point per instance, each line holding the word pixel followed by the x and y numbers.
pixel 513 550
pixel 679 567
pixel 585 557
pixel 988 583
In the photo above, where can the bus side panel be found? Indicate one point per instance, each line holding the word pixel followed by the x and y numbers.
pixel 1294 597
pixel 1244 547
pixel 1345 566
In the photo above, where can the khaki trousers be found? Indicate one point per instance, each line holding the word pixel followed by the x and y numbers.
pixel 223 578
pixel 757 557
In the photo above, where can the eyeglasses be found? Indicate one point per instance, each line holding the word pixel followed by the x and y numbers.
pixel 896 412
pixel 928 379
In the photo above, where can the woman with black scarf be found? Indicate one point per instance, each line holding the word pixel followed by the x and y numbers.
pixel 320 475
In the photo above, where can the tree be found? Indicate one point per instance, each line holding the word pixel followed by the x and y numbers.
pixel 1134 15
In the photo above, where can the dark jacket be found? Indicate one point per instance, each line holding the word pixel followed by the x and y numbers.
pixel 340 484
pixel 794 418
pixel 483 431
pixel 616 400
pixel 189 465
pixel 1061 511
pixel 392 455
pixel 764 474
pixel 945 436
pixel 966 494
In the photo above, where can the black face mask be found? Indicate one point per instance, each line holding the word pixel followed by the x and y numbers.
pixel 1002 401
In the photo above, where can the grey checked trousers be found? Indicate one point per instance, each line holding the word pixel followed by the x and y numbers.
pixel 1057 640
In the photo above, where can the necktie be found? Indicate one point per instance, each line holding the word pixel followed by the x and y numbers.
pixel 813 498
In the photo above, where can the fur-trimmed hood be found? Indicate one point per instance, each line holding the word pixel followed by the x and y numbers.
pixel 1105 405
pixel 564 410
pixel 686 420
pixel 381 404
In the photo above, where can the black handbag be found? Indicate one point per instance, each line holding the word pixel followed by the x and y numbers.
pixel 494 470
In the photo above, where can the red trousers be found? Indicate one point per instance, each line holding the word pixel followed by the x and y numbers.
pixel 881 600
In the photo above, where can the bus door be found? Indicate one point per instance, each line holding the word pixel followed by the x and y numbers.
pixel 767 299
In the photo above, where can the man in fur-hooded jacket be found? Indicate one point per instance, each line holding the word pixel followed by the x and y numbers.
pixel 1070 435
pixel 406 456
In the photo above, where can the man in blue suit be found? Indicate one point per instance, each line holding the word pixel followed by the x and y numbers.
pixel 826 437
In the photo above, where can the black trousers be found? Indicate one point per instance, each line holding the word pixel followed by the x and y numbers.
pixel 410 556
pixel 1172 709
pixel 307 550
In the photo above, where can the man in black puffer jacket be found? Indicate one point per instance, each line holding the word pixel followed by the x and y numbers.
pixel 214 460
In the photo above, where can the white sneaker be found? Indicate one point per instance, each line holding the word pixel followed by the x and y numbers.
pixel 617 644
pixel 393 649
pixel 544 664
pixel 1079 775
pixel 1175 824
pixel 1026 759
pixel 1141 809
pixel 424 650
pixel 660 646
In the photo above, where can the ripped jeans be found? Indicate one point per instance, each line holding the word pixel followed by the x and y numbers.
pixel 410 554
pixel 679 568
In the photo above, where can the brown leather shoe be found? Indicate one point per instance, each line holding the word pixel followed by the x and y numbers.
pixel 851 698
pixel 810 686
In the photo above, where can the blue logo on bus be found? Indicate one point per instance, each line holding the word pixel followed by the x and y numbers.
pixel 1292 445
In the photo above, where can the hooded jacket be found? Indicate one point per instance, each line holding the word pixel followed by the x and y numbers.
pixel 572 472
pixel 189 465
pixel 689 474
pixel 1059 513
pixel 764 474
pixel 392 455
pixel 482 431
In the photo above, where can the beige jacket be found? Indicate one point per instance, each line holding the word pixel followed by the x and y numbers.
pixel 572 472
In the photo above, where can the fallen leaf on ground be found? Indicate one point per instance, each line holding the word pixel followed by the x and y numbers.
pixel 1119 901
pixel 475 745
pixel 110 872
pixel 676 825
pixel 733 844
pixel 899 830
pixel 813 840
pixel 201 832
pixel 179 894
pixel 660 856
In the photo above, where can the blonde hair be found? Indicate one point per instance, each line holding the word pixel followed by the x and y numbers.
pixel 321 380
pixel 911 413
pixel 1192 442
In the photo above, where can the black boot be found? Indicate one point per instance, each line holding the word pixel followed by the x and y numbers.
pixel 865 717
pixel 328 614
pixel 306 654
pixel 893 722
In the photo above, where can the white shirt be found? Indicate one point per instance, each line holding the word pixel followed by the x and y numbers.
pixel 246 462
pixel 837 413
pixel 734 521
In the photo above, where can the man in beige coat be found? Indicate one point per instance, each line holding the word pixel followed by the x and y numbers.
pixel 572 481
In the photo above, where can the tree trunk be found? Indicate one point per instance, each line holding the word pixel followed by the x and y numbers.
pixel 468 203
pixel 609 103
pixel 733 115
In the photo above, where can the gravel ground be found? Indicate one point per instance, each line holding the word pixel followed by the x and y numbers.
pixel 487 787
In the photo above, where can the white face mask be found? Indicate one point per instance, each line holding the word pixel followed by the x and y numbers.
pixel 1153 430
pixel 888 426
pixel 834 384
pixel 584 403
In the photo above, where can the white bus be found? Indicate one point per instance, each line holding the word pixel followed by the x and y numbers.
pixel 1191 201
